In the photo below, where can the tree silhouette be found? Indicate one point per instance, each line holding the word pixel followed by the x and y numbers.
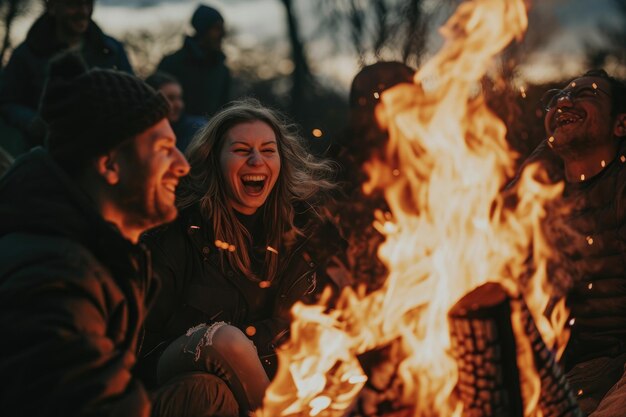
pixel 9 10
pixel 302 79
pixel 381 29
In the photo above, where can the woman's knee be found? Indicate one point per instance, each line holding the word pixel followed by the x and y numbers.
pixel 230 342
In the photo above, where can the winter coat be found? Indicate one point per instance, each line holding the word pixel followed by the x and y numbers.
pixel 196 290
pixel 72 293
pixel 185 128
pixel 598 298
pixel 205 79
pixel 23 78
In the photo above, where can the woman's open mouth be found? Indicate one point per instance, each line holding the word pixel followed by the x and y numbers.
pixel 254 184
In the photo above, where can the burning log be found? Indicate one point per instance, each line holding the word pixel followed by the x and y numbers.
pixel 483 345
pixel 382 394
pixel 486 350
pixel 556 398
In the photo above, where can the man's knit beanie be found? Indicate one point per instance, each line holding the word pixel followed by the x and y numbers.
pixel 90 112
pixel 204 17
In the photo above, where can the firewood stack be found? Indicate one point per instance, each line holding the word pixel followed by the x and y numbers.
pixel 484 346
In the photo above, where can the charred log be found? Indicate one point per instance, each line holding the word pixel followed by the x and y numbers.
pixel 556 398
pixel 484 345
pixel 382 394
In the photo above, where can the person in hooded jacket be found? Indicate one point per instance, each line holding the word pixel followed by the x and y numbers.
pixel 74 281
pixel 364 140
pixel 200 64
pixel 65 24
pixel 247 245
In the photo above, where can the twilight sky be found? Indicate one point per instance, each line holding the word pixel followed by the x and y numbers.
pixel 574 22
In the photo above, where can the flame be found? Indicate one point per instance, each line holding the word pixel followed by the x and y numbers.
pixel 448 230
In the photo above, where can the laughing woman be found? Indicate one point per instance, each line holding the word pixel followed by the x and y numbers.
pixel 248 243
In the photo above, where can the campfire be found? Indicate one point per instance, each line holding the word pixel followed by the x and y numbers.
pixel 454 331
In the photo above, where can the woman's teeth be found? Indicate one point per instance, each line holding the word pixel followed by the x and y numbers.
pixel 253 183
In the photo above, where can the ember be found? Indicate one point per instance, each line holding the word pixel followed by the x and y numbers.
pixel 448 231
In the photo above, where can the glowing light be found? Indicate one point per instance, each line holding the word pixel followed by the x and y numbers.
pixel 265 284
pixel 271 249
pixel 523 91
pixel 582 177
pixel 622 158
pixel 595 86
pixel 317 133
pixel 589 240
pixel 572 321
pixel 603 163
pixel 250 331
pixel 590 286
pixel 357 379
pixel 376 95
pixel 225 245
pixel 551 139
pixel 319 404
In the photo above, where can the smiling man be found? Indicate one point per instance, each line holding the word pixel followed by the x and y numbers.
pixel 73 280
pixel 586 124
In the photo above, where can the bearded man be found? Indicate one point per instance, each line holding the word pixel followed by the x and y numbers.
pixel 73 280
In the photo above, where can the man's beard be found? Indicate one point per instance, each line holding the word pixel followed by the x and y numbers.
pixel 138 198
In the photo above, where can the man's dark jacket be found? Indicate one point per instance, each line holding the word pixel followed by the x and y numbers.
pixel 72 293
pixel 205 79
pixel 23 78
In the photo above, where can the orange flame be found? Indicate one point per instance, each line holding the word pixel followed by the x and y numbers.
pixel 447 232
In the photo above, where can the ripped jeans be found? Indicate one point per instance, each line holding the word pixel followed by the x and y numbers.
pixel 222 350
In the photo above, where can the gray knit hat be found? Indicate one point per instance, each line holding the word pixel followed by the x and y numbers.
pixel 89 112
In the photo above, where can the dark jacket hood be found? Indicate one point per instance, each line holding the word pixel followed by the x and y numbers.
pixel 37 196
pixel 42 41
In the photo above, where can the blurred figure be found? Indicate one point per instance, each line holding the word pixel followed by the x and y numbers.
pixel 199 65
pixel 65 24
pixel 5 161
pixel 364 139
pixel 74 282
pixel 183 124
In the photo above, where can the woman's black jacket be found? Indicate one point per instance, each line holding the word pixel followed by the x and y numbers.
pixel 195 289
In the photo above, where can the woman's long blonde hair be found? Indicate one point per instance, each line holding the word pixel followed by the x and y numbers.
pixel 303 181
